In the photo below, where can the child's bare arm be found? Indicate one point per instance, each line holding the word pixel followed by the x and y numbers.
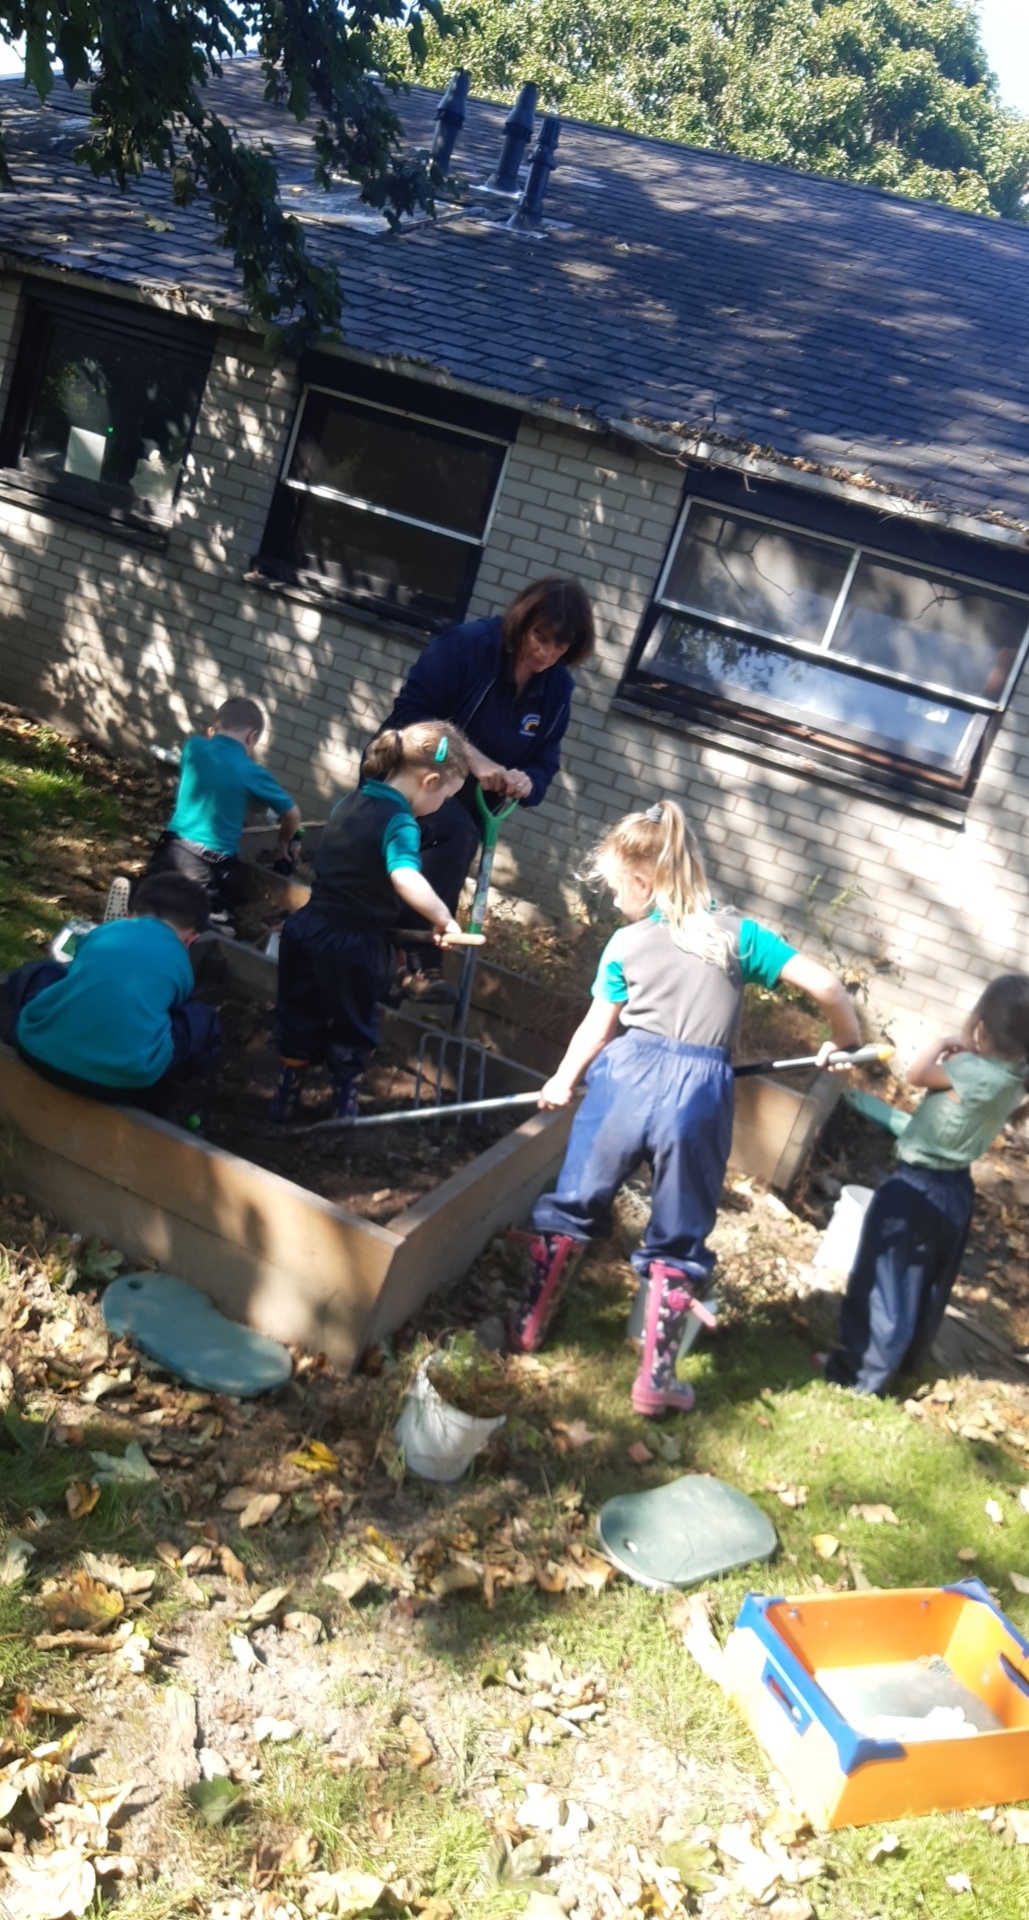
pixel 829 993
pixel 288 824
pixel 927 1069
pixel 415 892
pixel 590 1037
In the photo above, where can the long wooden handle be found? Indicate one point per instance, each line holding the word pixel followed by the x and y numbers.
pixel 422 937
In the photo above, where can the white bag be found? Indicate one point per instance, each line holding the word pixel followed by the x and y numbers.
pixel 439 1442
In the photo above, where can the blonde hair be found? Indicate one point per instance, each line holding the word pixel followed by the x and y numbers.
pixel 428 746
pixel 660 842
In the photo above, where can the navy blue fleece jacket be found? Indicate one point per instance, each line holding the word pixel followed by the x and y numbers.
pixel 465 676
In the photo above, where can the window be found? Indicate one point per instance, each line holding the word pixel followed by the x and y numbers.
pixel 866 660
pixel 387 494
pixel 106 399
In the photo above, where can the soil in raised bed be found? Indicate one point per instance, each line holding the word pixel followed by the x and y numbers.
pixel 375 1174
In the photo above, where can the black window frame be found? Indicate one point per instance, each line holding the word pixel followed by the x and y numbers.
pixel 903 542
pixel 444 410
pixel 119 323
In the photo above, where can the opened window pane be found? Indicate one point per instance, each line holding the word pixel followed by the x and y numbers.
pixel 755 575
pixel 417 468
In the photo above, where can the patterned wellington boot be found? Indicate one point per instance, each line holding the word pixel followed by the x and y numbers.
pixel 670 1302
pixel 286 1098
pixel 553 1258
pixel 345 1077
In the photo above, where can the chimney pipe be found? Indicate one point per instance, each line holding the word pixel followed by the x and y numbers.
pixel 529 212
pixel 450 119
pixel 517 134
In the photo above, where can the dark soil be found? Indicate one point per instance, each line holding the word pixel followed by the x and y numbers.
pixel 376 1174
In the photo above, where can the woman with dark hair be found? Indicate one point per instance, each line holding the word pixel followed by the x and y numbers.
pixel 505 682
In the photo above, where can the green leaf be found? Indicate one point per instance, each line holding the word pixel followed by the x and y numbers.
pixel 216 1800
pixel 38 71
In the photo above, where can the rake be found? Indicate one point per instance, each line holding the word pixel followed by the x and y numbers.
pixel 436 1110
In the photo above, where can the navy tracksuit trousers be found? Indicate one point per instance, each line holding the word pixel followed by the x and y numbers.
pixel 907 1261
pixel 648 1098
pixel 331 979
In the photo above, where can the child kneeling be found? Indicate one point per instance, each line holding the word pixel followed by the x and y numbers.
pixel 336 955
pixel 661 1089
pixel 118 1023
pixel 914 1233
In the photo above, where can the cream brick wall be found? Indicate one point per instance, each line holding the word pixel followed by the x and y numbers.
pixel 138 647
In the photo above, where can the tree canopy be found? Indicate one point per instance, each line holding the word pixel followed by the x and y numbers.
pixel 892 93
pixel 145 66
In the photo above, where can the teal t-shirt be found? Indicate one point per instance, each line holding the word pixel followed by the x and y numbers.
pixel 401 839
pixel 108 1020
pixel 944 1132
pixel 681 995
pixel 218 783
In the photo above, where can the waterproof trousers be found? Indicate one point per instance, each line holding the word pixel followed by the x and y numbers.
pixel 648 1098
pixel 907 1261
pixel 331 979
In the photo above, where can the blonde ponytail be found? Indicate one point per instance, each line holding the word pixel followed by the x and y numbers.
pixel 661 843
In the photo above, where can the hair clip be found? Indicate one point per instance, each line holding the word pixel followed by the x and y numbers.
pixel 654 814
pixel 441 750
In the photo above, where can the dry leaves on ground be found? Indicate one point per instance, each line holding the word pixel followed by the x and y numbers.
pixel 875 1513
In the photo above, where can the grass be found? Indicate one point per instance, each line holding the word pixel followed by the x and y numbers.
pixel 762 1416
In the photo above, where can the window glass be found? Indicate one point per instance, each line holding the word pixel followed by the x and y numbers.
pixel 369 555
pixel 111 413
pixel 803 690
pixel 756 575
pixel 934 630
pixel 414 467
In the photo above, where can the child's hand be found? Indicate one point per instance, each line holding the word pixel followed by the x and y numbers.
pixel 824 1054
pixel 445 930
pixel 556 1092
pixel 952 1044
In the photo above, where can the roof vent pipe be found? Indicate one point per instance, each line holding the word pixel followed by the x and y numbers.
pixel 450 119
pixel 529 212
pixel 517 134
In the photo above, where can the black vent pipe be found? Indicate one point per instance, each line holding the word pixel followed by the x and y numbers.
pixel 517 134
pixel 529 212
pixel 450 119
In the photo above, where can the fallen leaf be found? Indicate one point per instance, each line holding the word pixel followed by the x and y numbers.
pixel 344 1895
pixel 267 1727
pixel 241 1650
pixel 542 1809
pixel 1023 1497
pixel 889 1843
pixel 193 1591
pixel 380 1821
pixel 307 1625
pixel 958 1882
pixel 83 1603
pixel 49 1886
pixel 315 1458
pixel 81 1497
pixel 14 1561
pixel 216 1800
pixel 167 1554
pixel 232 1567
pixel 825 1545
pixel 158 226
pixel 259 1509
pixel 1020 1582
pixel 790 1496
pixel 236 1498
pixel 268 1603
pixel 130 1466
pixel 348 1581
pixel 640 1454
pixel 575 1433
pixel 995 1512
pixel 457 1577
pixel 875 1514
pixel 125 1580
pixel 966 1554
pixel 420 1750
pixel 692 1617
pixel 1018 1826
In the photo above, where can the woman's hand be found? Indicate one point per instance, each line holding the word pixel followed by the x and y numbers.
pixel 492 777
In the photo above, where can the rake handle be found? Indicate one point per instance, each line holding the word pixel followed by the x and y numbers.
pixel 858 1057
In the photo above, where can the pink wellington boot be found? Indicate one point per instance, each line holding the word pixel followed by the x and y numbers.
pixel 670 1301
pixel 553 1258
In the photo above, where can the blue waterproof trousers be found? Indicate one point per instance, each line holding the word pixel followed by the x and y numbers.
pixel 907 1261
pixel 648 1098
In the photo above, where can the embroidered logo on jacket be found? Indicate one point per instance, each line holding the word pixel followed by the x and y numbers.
pixel 530 723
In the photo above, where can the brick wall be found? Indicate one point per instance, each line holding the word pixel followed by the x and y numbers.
pixel 138 646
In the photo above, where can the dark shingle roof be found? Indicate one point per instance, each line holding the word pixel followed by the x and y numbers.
pixel 829 324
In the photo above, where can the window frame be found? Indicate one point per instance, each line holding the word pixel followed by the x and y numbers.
pixel 405 400
pixel 811 746
pixel 70 496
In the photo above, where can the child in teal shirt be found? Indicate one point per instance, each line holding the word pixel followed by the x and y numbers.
pixel 119 1021
pixel 916 1227
pixel 218 783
